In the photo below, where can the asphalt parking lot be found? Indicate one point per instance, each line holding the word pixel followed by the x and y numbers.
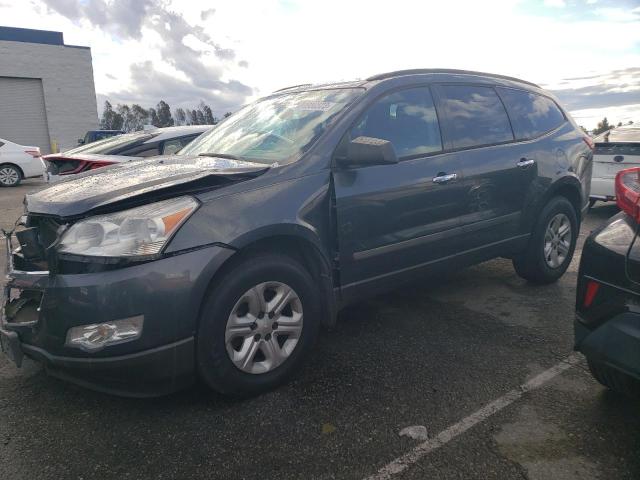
pixel 451 356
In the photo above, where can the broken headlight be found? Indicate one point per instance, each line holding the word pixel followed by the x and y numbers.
pixel 131 233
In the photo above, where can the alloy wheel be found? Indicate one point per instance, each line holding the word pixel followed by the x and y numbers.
pixel 557 240
pixel 9 176
pixel 264 327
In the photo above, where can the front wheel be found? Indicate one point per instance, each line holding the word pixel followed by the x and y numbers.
pixel 258 323
pixel 551 245
pixel 10 176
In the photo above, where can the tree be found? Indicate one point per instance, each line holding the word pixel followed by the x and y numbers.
pixel 180 116
pixel 228 114
pixel 584 130
pixel 200 117
pixel 127 118
pixel 193 117
pixel 207 114
pixel 619 124
pixel 110 120
pixel 602 127
pixel 164 114
pixel 153 117
pixel 630 122
pixel 139 117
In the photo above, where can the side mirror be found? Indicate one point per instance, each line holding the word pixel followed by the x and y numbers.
pixel 366 151
pixel 81 141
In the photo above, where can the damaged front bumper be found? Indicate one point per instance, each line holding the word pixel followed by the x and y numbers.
pixel 41 306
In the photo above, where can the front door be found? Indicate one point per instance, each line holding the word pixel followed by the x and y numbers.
pixel 394 219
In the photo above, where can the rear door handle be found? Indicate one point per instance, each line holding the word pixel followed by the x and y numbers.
pixel 525 162
pixel 618 158
pixel 445 177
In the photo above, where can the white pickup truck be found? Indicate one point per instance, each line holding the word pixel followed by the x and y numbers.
pixel 615 150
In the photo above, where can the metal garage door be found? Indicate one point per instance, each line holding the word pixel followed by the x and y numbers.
pixel 22 115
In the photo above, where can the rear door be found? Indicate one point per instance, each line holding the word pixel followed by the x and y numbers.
pixel 394 219
pixel 475 124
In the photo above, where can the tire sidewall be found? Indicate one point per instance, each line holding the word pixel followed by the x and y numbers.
pixel 553 208
pixel 214 365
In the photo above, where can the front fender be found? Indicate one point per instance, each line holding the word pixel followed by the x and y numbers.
pixel 297 207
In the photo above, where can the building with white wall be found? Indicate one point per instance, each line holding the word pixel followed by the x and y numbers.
pixel 47 94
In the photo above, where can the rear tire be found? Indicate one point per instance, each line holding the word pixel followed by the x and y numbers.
pixel 548 254
pixel 10 176
pixel 245 345
pixel 614 380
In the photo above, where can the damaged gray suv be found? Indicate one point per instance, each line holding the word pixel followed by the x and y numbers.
pixel 224 261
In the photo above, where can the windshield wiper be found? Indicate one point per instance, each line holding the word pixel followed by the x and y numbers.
pixel 219 155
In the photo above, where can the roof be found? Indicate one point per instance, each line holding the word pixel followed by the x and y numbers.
pixel 400 73
pixel 423 71
pixel 322 86
pixel 28 35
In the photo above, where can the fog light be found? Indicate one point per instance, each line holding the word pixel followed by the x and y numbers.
pixel 99 335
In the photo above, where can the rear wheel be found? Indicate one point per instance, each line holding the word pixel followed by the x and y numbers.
pixel 258 323
pixel 614 379
pixel 551 245
pixel 10 176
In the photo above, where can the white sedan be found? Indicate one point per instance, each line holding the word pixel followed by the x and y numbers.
pixel 18 162
pixel 615 150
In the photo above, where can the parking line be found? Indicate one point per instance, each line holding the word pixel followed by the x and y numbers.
pixel 405 461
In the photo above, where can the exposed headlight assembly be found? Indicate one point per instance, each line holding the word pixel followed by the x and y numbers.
pixel 136 232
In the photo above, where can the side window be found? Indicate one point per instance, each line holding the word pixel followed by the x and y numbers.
pixel 406 118
pixel 172 146
pixel 473 116
pixel 150 152
pixel 532 115
pixel 144 150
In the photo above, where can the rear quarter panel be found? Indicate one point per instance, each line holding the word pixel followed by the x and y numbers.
pixel 563 161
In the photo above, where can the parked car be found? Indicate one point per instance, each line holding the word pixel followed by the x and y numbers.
pixel 118 149
pixel 224 260
pixel 18 162
pixel 615 150
pixel 94 135
pixel 607 317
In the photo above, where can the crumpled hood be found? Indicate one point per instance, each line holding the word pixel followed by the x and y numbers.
pixel 160 176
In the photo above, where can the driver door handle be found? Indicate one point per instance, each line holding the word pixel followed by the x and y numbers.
pixel 445 177
pixel 525 162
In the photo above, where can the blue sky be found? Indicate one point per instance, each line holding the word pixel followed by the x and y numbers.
pixel 228 52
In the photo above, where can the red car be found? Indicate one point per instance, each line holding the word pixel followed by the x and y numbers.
pixel 118 149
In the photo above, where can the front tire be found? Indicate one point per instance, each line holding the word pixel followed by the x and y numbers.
pixel 614 380
pixel 10 176
pixel 551 245
pixel 257 325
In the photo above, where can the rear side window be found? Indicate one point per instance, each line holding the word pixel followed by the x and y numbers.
pixel 172 146
pixel 407 119
pixel 473 116
pixel 532 115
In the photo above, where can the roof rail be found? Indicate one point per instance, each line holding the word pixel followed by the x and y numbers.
pixel 293 86
pixel 398 73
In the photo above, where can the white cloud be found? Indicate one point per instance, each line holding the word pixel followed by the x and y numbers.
pixel 286 43
pixel 555 3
